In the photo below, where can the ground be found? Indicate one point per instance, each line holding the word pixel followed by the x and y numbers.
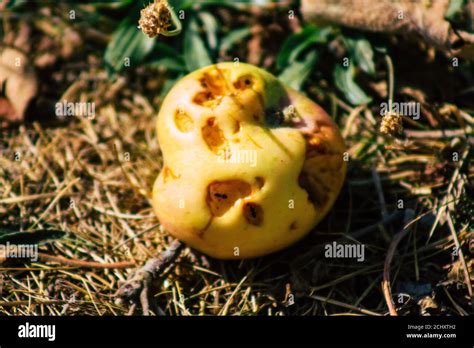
pixel 92 177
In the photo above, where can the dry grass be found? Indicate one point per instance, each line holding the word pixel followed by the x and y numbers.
pixel 69 178
pixel 92 178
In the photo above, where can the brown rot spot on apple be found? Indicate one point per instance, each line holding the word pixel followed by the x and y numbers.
pixel 222 195
pixel 200 232
pixel 214 86
pixel 204 98
pixel 213 135
pixel 253 213
pixel 244 82
pixel 236 127
pixel 183 121
pixel 169 175
pixel 215 81
pixel 293 226
pixel 259 182
pixel 316 146
pixel 317 191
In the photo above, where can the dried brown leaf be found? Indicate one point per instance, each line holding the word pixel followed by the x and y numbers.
pixel 423 18
pixel 19 84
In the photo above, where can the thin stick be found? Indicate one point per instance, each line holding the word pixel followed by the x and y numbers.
pixel 342 304
pixel 444 206
pixel 386 271
pixel 86 264
pixel 389 62
pixel 138 285
pixel 436 134
pixel 78 263
pixel 460 254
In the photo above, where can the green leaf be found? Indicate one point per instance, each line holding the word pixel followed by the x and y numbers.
pixel 188 4
pixel 13 4
pixel 168 63
pixel 34 237
pixel 211 27
pixel 297 43
pixel 344 80
pixel 361 51
pixel 4 230
pixel 195 51
pixel 297 73
pixel 233 37
pixel 127 42
pixel 165 56
pixel 455 6
pixel 111 5
pixel 180 4
pixel 162 50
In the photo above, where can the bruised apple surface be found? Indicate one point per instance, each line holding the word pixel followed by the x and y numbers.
pixel 250 165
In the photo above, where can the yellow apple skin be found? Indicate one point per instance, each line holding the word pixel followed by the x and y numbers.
pixel 250 166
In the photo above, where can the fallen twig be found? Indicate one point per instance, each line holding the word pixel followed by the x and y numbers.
pixel 138 284
pixel 435 134
pixel 86 264
pixel 75 263
pixel 388 259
